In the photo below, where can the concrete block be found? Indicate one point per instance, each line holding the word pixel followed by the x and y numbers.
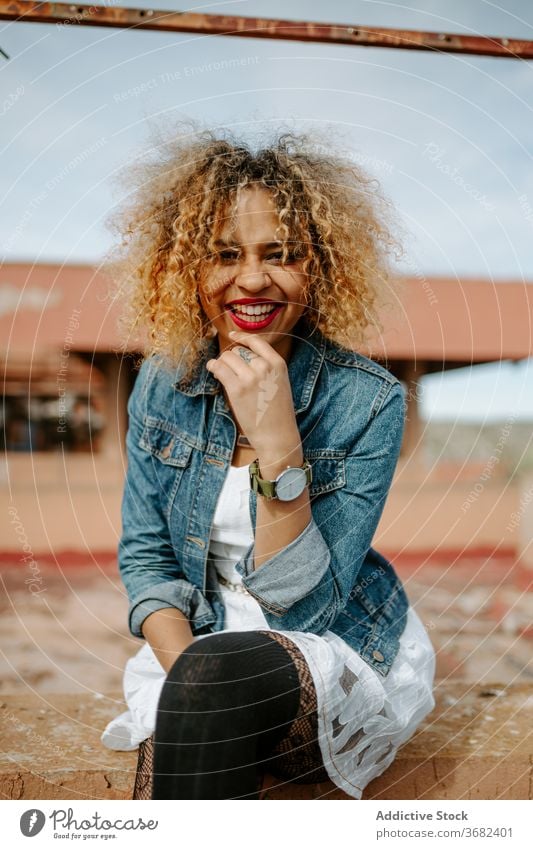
pixel 477 744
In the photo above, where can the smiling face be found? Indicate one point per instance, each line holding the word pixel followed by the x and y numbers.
pixel 247 288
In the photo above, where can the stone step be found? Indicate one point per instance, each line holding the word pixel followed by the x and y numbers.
pixel 477 744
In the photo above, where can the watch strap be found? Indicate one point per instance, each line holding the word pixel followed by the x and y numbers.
pixel 267 488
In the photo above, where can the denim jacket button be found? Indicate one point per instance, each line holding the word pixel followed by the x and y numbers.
pixel 377 655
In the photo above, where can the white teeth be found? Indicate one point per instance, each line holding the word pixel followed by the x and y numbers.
pixel 250 319
pixel 253 309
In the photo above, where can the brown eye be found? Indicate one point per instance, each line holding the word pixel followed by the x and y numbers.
pixel 291 257
pixel 227 256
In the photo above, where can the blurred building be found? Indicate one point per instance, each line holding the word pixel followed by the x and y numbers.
pixel 66 389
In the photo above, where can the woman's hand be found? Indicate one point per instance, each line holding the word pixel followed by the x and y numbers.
pixel 259 392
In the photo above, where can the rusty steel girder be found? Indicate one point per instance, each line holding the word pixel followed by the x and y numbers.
pixel 69 14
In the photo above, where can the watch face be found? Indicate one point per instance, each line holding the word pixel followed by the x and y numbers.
pixel 290 484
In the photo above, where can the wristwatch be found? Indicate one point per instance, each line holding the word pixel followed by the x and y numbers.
pixel 289 484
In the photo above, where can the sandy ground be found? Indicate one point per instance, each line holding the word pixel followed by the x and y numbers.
pixel 70 635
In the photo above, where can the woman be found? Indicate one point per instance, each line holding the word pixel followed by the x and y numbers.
pixel 260 454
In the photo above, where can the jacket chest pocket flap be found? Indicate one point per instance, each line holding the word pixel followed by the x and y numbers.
pixel 165 443
pixel 328 470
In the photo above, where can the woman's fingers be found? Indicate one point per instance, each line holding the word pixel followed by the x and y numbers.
pixel 236 372
pixel 257 345
pixel 244 362
pixel 240 365
pixel 223 372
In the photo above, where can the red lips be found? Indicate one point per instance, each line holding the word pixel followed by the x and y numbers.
pixel 255 325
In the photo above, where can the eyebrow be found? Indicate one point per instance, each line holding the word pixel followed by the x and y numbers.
pixel 220 243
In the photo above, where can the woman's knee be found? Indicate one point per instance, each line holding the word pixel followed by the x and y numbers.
pixel 242 683
pixel 230 667
pixel 224 657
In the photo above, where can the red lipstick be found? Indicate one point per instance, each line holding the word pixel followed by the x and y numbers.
pixel 255 325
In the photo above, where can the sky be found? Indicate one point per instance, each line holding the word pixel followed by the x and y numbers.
pixel 450 138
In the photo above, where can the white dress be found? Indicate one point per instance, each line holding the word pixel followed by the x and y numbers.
pixel 362 717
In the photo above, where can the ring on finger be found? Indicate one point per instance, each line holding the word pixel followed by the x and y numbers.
pixel 245 354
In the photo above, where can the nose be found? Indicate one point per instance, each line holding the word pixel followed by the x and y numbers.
pixel 252 276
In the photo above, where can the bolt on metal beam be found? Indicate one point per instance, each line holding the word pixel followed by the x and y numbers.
pixel 70 14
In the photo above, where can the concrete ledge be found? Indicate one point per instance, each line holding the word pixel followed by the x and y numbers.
pixel 477 744
pixel 52 749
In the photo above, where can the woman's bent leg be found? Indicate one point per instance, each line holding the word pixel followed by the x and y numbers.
pixel 226 703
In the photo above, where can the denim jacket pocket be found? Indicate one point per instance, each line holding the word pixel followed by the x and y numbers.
pixel 171 454
pixel 164 441
pixel 328 472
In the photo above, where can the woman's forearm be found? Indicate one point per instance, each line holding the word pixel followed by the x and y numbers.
pixel 169 633
pixel 278 523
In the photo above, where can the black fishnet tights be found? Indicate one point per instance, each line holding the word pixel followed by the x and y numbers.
pixel 272 720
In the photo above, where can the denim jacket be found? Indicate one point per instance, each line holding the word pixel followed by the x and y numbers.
pixel 180 442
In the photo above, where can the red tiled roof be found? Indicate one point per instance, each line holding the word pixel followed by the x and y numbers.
pixel 46 307
pixel 469 320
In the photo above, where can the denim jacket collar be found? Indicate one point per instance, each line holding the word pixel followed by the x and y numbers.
pixel 305 362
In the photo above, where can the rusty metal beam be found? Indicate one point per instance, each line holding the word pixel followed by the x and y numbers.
pixel 69 14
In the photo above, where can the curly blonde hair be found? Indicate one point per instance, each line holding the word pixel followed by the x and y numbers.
pixel 328 207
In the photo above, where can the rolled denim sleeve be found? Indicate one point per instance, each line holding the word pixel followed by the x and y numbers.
pixel 147 561
pixel 178 593
pixel 290 574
